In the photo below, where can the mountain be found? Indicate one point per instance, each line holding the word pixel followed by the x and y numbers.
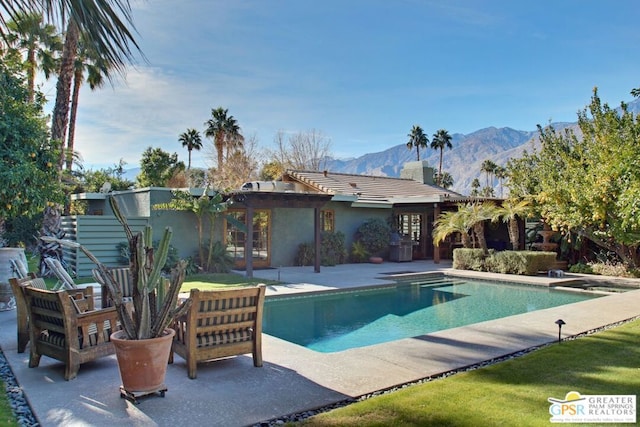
pixel 464 161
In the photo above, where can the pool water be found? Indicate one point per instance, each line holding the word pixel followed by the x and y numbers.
pixel 336 321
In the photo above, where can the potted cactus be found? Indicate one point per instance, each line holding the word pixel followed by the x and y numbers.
pixel 145 338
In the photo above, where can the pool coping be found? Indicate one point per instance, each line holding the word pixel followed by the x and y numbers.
pixel 362 371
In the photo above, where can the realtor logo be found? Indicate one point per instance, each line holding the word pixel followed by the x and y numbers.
pixel 577 408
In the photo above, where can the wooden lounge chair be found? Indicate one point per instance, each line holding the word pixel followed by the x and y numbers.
pixel 220 324
pixel 17 287
pixel 64 279
pixel 59 329
pixel 122 276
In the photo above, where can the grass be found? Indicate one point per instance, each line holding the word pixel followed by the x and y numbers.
pixel 219 281
pixel 509 393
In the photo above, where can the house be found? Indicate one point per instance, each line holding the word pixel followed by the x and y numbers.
pixel 285 213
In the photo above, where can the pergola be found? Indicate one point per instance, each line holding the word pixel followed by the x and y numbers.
pixel 252 200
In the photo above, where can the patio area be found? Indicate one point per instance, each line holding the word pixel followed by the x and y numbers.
pixel 232 392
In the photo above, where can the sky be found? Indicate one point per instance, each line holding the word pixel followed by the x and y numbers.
pixel 362 72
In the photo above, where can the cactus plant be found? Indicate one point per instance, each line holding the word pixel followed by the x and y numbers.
pixel 154 297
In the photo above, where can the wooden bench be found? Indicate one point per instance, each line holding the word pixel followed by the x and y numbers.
pixel 58 328
pixel 220 324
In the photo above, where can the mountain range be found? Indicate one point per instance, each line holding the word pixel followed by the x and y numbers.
pixel 463 161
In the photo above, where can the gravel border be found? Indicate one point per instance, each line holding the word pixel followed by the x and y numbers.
pixel 17 399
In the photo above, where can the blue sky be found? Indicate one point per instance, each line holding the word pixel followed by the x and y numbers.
pixel 361 71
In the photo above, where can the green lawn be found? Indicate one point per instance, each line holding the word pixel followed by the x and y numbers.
pixel 509 393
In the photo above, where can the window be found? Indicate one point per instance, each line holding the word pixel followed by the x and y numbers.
pixel 327 220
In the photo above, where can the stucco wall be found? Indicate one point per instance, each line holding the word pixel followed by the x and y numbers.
pixel 290 227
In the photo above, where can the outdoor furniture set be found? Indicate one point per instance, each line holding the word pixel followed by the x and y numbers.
pixel 65 325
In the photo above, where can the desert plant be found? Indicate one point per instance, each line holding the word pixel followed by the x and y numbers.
pixel 359 252
pixel 172 256
pixel 220 260
pixel 154 296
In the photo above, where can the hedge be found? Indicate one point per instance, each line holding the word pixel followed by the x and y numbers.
pixel 506 262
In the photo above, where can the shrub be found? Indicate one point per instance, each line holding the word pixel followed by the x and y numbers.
pixel 508 262
pixel 305 255
pixel 505 262
pixel 468 259
pixel 581 268
pixel 374 235
pixel 332 249
pixel 538 261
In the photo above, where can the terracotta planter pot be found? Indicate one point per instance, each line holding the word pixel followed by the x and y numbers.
pixel 142 363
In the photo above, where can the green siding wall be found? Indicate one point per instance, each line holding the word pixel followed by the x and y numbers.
pixel 100 235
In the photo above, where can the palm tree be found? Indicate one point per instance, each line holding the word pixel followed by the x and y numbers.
pixel 477 214
pixel 88 60
pixel 191 140
pixel 225 132
pixel 444 180
pixel 501 174
pixel 451 222
pixel 39 41
pixel 509 212
pixel 441 140
pixel 488 167
pixel 107 24
pixel 417 139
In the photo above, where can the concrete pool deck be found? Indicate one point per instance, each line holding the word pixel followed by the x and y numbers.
pixel 232 392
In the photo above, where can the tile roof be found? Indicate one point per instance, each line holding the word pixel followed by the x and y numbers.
pixel 370 188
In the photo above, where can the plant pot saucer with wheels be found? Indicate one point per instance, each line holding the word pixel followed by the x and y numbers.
pixel 142 364
pixel 375 260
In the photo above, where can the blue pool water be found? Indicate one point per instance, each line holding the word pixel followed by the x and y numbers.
pixel 336 321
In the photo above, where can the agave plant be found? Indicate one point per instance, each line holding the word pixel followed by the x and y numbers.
pixel 155 297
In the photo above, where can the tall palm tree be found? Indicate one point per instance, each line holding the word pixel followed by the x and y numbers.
pixel 89 60
pixel 39 42
pixel 417 139
pixel 441 140
pixel 489 168
pixel 107 24
pixel 225 132
pixel 501 173
pixel 191 140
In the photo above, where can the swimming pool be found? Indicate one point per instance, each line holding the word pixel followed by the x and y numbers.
pixel 334 321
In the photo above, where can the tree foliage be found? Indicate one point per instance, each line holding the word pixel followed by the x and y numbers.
pixel 441 140
pixel 301 150
pixel 157 167
pixel 590 184
pixel 27 159
pixel 417 139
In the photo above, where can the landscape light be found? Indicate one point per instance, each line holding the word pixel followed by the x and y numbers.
pixel 560 322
